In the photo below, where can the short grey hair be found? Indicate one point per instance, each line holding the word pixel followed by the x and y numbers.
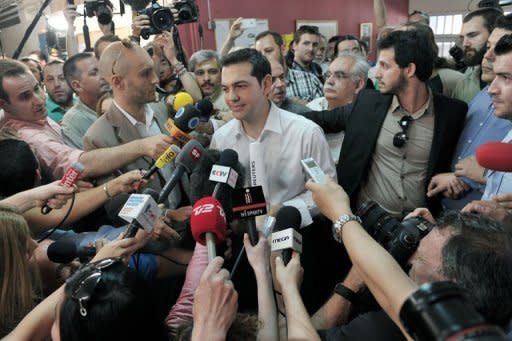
pixel 359 70
pixel 202 56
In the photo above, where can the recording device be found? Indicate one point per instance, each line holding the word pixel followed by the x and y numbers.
pixel 249 203
pixel 495 156
pixel 181 100
pixel 68 179
pixel 100 8
pixel 208 224
pixel 164 159
pixel 186 161
pixel 442 311
pixel 65 252
pixel 287 238
pixel 185 120
pixel 141 211
pixel 313 169
pixel 223 173
pixel 205 107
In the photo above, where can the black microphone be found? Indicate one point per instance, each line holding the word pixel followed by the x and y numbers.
pixel 287 239
pixel 134 225
pixel 229 159
pixel 205 107
pixel 186 161
pixel 65 252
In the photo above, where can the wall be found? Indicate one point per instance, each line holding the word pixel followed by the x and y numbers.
pixel 444 6
pixel 283 13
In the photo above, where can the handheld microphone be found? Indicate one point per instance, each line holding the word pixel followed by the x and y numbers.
pixel 69 179
pixel 187 160
pixel 181 100
pixel 495 155
pixel 223 173
pixel 64 252
pixel 185 120
pixel 205 107
pixel 247 204
pixel 208 224
pixel 163 160
pixel 141 211
pixel 287 239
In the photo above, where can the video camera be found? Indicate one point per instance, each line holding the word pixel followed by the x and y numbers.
pixel 100 8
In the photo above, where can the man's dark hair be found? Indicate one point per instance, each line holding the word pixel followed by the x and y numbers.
pixel 343 38
pixel 18 167
pixel 277 37
pixel 106 38
pixel 425 18
pixel 411 47
pixel 70 68
pixel 333 39
pixel 488 14
pixel 504 22
pixel 477 258
pixel 504 45
pixel 305 29
pixel 260 64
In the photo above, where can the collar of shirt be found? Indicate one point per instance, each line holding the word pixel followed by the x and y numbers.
pixel 83 107
pixel 273 124
pixel 427 107
pixel 13 119
pixel 147 110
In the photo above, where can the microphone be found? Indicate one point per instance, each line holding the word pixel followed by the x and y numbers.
pixel 495 155
pixel 69 179
pixel 247 204
pixel 287 239
pixel 181 100
pixel 186 120
pixel 223 172
pixel 64 252
pixel 186 160
pixel 208 224
pixel 205 107
pixel 141 211
pixel 163 160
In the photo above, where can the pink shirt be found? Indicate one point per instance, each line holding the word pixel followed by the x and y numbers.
pixel 45 139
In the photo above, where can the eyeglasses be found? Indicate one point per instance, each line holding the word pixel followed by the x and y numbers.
pixel 401 137
pixel 86 280
pixel 338 75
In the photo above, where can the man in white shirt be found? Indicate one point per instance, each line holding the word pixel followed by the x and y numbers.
pixel 270 142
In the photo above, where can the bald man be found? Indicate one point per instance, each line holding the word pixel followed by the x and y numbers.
pixel 128 69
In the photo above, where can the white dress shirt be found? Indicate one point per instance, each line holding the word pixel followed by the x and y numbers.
pixel 286 139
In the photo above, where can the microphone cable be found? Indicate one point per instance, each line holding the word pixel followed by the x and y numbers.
pixel 52 230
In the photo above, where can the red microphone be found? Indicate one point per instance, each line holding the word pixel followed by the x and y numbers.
pixel 495 155
pixel 69 179
pixel 208 224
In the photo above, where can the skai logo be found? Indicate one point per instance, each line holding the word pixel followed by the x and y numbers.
pixel 195 153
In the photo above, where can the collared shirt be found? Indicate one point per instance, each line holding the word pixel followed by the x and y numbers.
pixel 45 139
pixel 397 176
pixel 286 139
pixel 498 182
pixel 76 122
pixel 335 140
pixel 314 69
pixel 481 126
pixel 469 86
pixel 55 111
pixel 303 85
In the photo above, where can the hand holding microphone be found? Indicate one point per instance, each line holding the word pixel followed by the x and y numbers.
pixel 208 224
pixel 164 159
pixel 68 180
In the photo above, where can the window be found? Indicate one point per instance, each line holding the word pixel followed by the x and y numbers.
pixel 446 30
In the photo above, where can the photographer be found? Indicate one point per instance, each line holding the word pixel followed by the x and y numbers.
pixel 465 248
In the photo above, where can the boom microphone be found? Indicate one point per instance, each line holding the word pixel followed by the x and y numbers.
pixel 208 224
pixel 287 239
pixel 64 252
pixel 169 155
pixel 69 179
pixel 186 161
pixel 495 155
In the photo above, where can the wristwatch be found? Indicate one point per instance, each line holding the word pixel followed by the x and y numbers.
pixel 345 292
pixel 338 225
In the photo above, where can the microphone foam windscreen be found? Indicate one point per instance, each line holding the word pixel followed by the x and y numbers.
pixel 182 99
pixel 205 107
pixel 61 252
pixel 190 155
pixel 187 118
pixel 288 217
pixel 495 155
pixel 208 216
pixel 228 157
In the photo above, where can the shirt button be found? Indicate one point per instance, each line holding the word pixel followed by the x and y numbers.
pixel 402 177
pixel 404 157
pixel 481 124
pixel 469 141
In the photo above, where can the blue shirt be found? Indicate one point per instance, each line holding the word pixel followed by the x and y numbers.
pixel 498 182
pixel 481 126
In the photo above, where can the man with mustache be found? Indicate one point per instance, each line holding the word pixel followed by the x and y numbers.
pixel 60 96
pixel 466 181
pixel 476 28
pixel 82 74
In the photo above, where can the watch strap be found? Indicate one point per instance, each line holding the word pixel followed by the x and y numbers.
pixel 345 292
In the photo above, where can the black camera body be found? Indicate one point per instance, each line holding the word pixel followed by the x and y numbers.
pixel 100 8
pixel 162 19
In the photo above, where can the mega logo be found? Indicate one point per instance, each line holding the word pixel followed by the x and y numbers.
pixel 195 153
pixel 281 239
pixel 208 208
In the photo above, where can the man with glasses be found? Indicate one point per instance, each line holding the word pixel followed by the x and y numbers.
pixel 398 138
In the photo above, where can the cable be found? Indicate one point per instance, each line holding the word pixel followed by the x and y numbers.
pixel 237 261
pixel 62 221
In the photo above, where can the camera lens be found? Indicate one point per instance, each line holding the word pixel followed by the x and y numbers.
pixel 162 19
pixel 104 14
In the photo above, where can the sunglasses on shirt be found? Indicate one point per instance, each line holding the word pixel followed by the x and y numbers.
pixel 401 137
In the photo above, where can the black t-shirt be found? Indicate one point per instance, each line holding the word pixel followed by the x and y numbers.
pixel 375 325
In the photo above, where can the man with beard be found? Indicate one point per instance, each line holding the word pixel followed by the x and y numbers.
pixel 305 44
pixel 82 74
pixel 60 95
pixel 476 28
pixel 398 138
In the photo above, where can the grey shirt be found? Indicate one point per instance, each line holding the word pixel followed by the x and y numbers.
pixel 76 122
